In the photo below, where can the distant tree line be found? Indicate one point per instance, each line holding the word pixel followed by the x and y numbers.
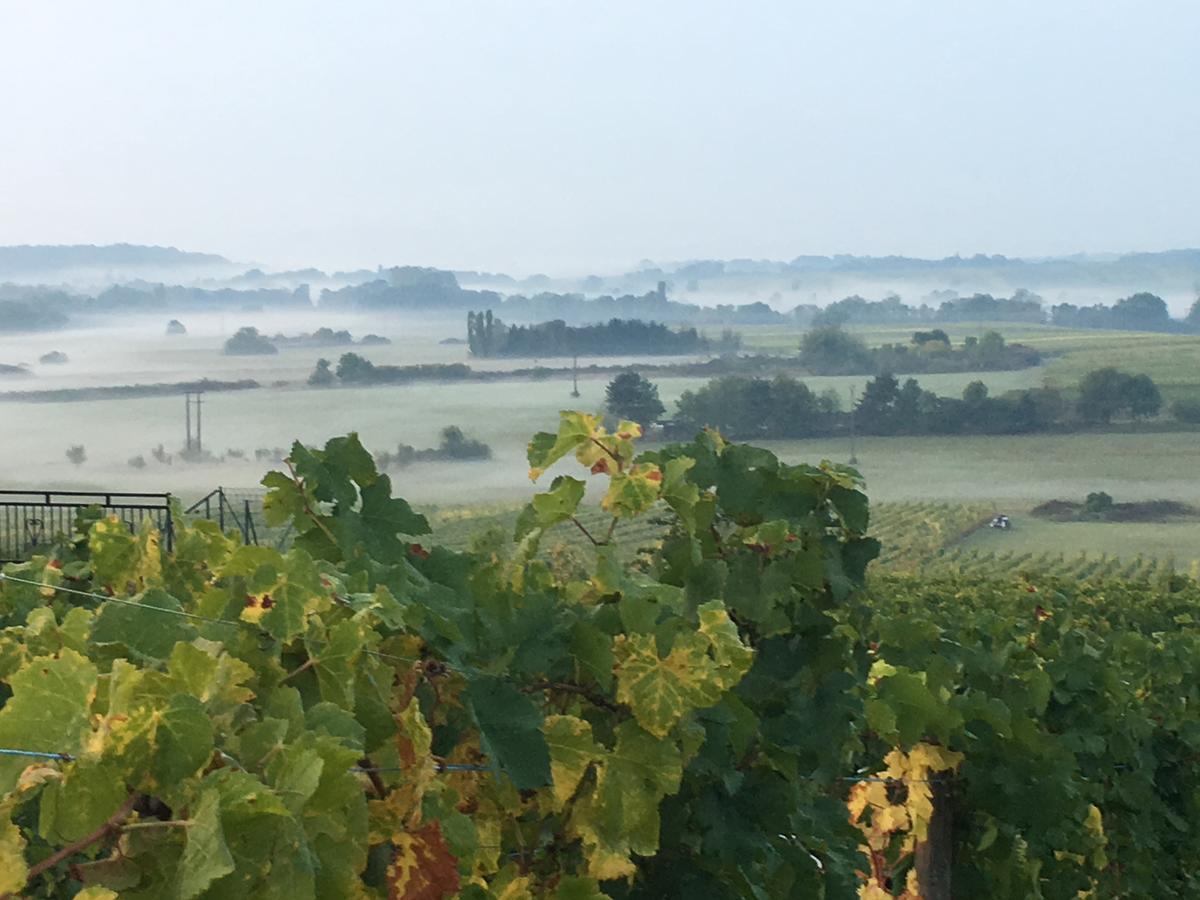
pixel 354 369
pixel 454 447
pixel 1022 306
pixel 1139 312
pixel 248 341
pixel 487 336
pixel 829 350
pixel 747 408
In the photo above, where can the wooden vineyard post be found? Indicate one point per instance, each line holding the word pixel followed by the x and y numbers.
pixel 935 855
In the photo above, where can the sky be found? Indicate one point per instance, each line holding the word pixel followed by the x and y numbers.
pixel 567 138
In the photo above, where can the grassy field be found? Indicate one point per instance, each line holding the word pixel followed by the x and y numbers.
pixel 1172 360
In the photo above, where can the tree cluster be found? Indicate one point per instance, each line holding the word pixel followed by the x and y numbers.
pixel 1107 393
pixel 829 350
pixel 488 336
pixel 454 447
pixel 248 342
pixel 756 408
pixel 1139 312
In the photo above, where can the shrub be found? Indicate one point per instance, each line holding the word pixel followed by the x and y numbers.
pixel 1187 410
pixel 248 342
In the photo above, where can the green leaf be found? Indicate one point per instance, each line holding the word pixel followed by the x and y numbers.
pixel 147 634
pixel 510 729
pixel 49 710
pixel 206 856
pixel 184 740
pixel 555 505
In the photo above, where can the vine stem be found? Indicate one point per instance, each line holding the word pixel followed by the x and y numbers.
pixel 157 823
pixel 567 688
pixel 303 667
pixel 587 534
pixel 616 459
pixel 114 823
pixel 308 510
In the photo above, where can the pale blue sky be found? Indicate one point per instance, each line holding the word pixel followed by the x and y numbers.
pixel 570 137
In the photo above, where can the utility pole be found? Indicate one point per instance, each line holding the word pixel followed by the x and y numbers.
pixel 853 416
pixel 193 443
pixel 575 376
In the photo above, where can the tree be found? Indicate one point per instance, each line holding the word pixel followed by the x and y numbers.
pixel 1193 316
pixel 1104 393
pixel 77 454
pixel 975 393
pixel 1142 311
pixel 630 396
pixel 1142 397
pixel 830 350
pixel 936 336
pixel 322 375
pixel 248 342
pixel 1186 411
pixel 1101 395
pixel 352 367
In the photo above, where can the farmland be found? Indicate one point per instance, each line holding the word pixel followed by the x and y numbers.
pixel 973 472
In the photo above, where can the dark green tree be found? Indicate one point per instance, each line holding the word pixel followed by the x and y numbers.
pixel 630 396
pixel 248 342
pixel 322 375
pixel 831 350
pixel 1142 397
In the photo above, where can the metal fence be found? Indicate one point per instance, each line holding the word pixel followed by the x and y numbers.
pixel 33 520
pixel 241 510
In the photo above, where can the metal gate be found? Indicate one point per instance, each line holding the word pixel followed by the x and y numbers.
pixel 31 521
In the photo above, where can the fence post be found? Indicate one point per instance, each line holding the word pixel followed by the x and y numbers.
pixel 170 529
pixel 935 855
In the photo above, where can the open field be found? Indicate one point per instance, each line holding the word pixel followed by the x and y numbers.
pixel 1172 360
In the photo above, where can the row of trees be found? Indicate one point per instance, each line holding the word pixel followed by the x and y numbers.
pixel 829 350
pixel 1139 312
pixel 454 446
pixel 782 407
pixel 488 336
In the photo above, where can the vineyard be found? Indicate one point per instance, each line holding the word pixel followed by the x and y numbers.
pixel 523 713
pixel 915 538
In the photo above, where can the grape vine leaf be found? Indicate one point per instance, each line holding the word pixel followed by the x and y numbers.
pixel 49 709
pixel 423 867
pixel 633 492
pixel 556 505
pixel 510 731
pixel 572 751
pixel 13 868
pixel 206 856
pixel 662 690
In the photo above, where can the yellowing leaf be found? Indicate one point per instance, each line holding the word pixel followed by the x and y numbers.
pixel 13 869
pixel 733 658
pixel 423 867
pixel 632 493
pixel 661 691
pixel 572 751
